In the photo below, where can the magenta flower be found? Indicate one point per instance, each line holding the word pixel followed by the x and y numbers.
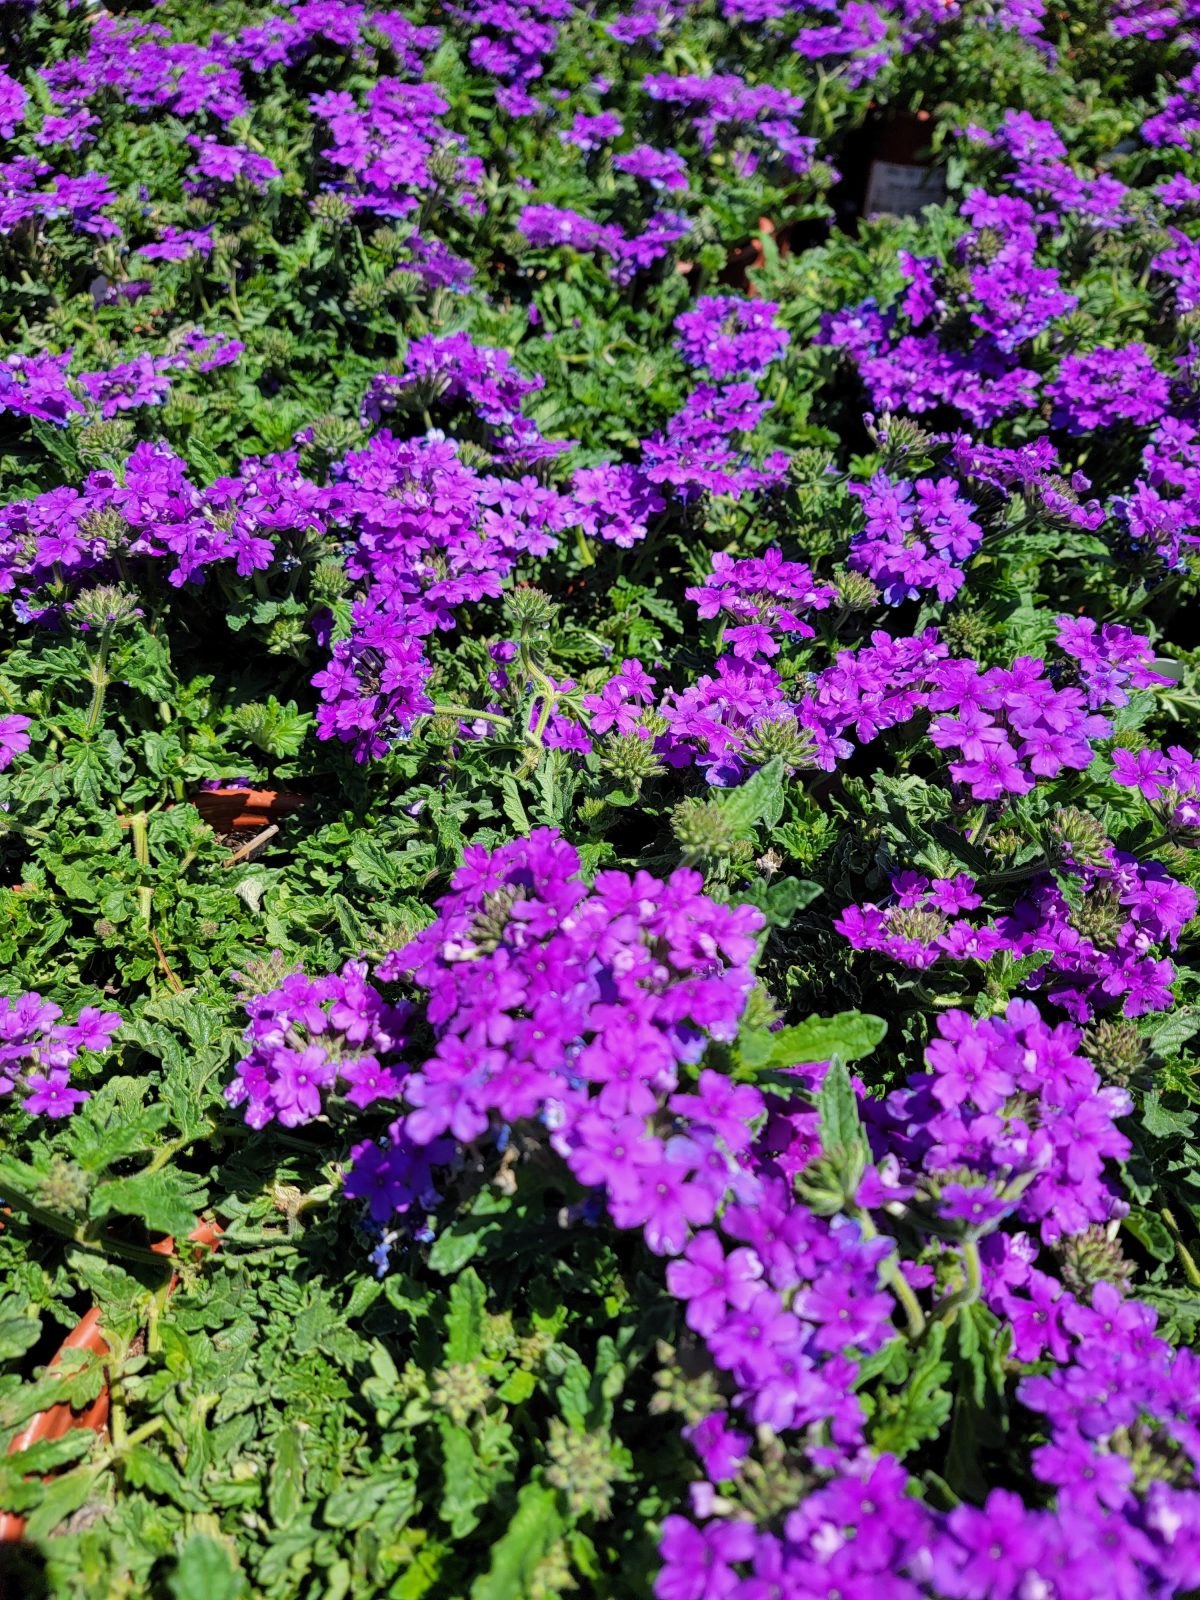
pixel 14 737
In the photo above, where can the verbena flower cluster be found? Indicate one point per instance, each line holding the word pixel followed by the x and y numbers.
pixel 38 1050
pixel 675 524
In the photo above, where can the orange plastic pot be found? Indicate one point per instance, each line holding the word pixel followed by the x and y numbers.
pixel 61 1419
pixel 749 257
pixel 228 810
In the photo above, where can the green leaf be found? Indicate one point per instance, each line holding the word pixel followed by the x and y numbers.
pixel 536 1525
pixel 471 1233
pixel 574 1392
pixel 1163 1124
pixel 920 1410
pixel 64 1495
pixel 516 1389
pixel 514 810
pixel 145 1469
pixel 286 1493
pixel 17 1334
pixel 759 799
pixel 780 901
pixel 205 1571
pixel 48 1455
pixel 372 862
pixel 849 1034
pixel 837 1104
pixel 1174 1031
pixel 467 1485
pixel 353 1505
pixel 1151 1233
pixel 464 1321
pixel 166 1201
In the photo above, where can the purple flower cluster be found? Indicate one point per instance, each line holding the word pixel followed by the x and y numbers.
pixel 751 121
pixel 384 154
pixel 1009 1130
pixel 218 163
pixel 575 1014
pixel 151 510
pixel 917 536
pixel 14 737
pixel 762 596
pixel 1010 1100
pixel 40 386
pixel 969 334
pixel 37 1052
pixel 1169 779
pixel 579 1008
pixel 452 371
pixel 314 1038
pixel 81 201
pixel 1106 388
pixel 149 70
pixel 546 227
pixel 1161 512
pixel 429 535
pixel 728 338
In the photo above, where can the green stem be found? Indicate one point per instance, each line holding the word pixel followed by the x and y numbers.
pixel 1015 874
pixel 468 715
pixel 1186 1259
pixel 141 842
pixel 79 1235
pixel 947 1309
pixel 100 681
pixel 893 1276
pixel 548 703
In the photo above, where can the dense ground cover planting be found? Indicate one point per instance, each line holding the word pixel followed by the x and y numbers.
pixel 598 766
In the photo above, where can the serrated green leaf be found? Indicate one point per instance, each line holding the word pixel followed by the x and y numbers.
pixel 63 1496
pixel 837 1105
pixel 166 1200
pixel 205 1571
pixel 1174 1030
pixel 515 1390
pixel 372 862
pixel 144 1468
pixel 536 1524
pixel 1151 1233
pixel 1162 1123
pixel 780 901
pixel 759 799
pixel 464 1321
pixel 849 1034
pixel 466 1485
pixel 355 1504
pixel 285 1495
pixel 18 1334
pixel 514 809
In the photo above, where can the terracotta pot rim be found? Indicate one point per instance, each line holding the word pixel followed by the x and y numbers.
pixel 59 1420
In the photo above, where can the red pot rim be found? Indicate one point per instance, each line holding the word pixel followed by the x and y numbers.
pixel 60 1419
pixel 233 809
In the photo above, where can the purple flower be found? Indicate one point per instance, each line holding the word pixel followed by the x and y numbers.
pixel 14 737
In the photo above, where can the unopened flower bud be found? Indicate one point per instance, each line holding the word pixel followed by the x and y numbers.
pixel 461 1391
pixel 1091 1257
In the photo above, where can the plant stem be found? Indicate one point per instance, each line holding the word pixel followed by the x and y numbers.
pixel 468 715
pixel 893 1276
pixel 100 679
pixel 947 1309
pixel 1016 874
pixel 79 1235
pixel 141 842
pixel 1186 1259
